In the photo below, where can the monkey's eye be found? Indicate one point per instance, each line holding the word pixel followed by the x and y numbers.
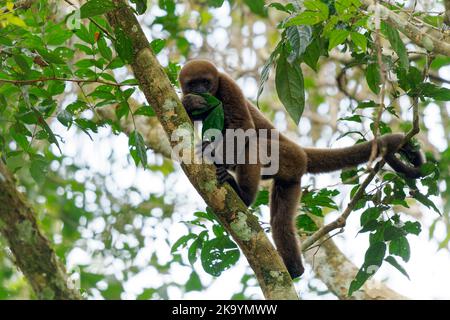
pixel 200 85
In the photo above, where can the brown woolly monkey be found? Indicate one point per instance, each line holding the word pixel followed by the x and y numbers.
pixel 201 76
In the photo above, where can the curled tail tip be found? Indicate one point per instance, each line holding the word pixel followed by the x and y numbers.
pixel 410 171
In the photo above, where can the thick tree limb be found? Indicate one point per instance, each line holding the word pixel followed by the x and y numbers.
pixel 423 36
pixel 337 272
pixel 31 249
pixel 270 271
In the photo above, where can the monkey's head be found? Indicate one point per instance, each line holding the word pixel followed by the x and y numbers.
pixel 199 76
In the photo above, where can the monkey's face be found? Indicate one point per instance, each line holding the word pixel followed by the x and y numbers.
pixel 199 85
pixel 199 76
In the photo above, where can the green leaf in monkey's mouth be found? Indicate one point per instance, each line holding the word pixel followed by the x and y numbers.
pixel 215 118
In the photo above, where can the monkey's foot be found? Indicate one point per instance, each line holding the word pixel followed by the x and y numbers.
pixel 295 268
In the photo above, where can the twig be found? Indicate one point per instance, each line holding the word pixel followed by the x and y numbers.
pixel 30 81
pixel 341 221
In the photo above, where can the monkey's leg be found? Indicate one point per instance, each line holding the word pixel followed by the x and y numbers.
pixel 248 178
pixel 285 197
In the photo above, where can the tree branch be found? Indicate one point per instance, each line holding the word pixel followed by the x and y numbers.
pixel 423 36
pixel 31 249
pixel 270 271
pixel 337 272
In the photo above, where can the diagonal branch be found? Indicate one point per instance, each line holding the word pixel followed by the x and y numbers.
pixel 270 271
pixel 31 249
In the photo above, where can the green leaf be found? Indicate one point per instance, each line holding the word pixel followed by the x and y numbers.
pixel 375 254
pixel 215 3
pixel 316 12
pixel 65 118
pixel 313 53
pixel 19 133
pixel 305 18
pixel 432 91
pixel 266 70
pixel 425 201
pixel 157 45
pixel 397 45
pixel 359 40
pixel 124 46
pixel 261 199
pixel 216 117
pixel 182 242
pixel 122 110
pixel 193 283
pixel 412 227
pixel 299 37
pixel 218 255
pixel 147 294
pixel 145 111
pixel 369 215
pixel 56 87
pixel 95 7
pixel 102 94
pixel 57 35
pixel 392 233
pixel 138 149
pixel 196 245
pixel 305 223
pixel 350 176
pixel 257 6
pixel 373 77
pixel 38 168
pixel 22 63
pixel 281 7
pixel 141 6
pixel 49 56
pixel 358 282
pixel 215 120
pixel 192 251
pixel 290 87
pixel 371 225
pixel 394 262
pixel 337 37
pixel 44 125
pixel 400 247
pixel 104 49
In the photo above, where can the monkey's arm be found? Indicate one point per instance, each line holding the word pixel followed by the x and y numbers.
pixel 248 173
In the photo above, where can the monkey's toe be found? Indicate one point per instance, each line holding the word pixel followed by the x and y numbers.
pixel 223 175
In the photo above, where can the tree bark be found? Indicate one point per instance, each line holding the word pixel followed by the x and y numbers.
pixel 337 272
pixel 421 34
pixel 31 249
pixel 270 271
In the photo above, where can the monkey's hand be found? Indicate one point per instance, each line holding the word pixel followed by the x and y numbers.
pixel 223 176
pixel 192 102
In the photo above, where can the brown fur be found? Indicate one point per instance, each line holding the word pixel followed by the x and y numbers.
pixel 200 76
